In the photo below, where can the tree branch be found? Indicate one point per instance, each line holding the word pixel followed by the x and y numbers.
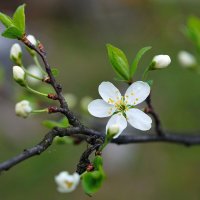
pixel 91 136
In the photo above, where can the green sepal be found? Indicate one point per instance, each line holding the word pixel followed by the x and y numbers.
pixel 119 61
pixel 19 18
pixel 150 82
pixel 136 60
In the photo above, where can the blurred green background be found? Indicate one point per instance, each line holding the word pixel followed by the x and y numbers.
pixel 74 33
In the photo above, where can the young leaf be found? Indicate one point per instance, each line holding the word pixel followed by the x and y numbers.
pixel 119 61
pixel 19 18
pixel 98 162
pixel 135 63
pixel 92 181
pixel 51 124
pixel 55 71
pixel 12 32
pixel 5 20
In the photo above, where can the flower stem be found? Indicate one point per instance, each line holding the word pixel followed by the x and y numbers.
pixel 35 58
pixel 39 111
pixel 35 91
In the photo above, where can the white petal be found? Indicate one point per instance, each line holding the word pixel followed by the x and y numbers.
pixel 137 93
pixel 139 119
pixel 109 92
pixel 99 108
pixel 118 119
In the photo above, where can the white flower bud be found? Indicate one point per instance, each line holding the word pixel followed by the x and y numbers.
pixel 66 182
pixel 15 53
pixel 19 75
pixel 34 70
pixel 71 100
pixel 113 130
pixel 85 102
pixel 32 39
pixel 23 108
pixel 186 59
pixel 160 61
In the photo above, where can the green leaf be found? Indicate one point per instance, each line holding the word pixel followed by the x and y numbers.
pixel 136 60
pixel 12 32
pixel 55 71
pixel 51 124
pixel 92 181
pixel 19 18
pixel 192 31
pixel 5 20
pixel 98 162
pixel 119 61
pixel 63 140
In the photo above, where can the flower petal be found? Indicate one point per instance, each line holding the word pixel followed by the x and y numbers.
pixel 99 108
pixel 109 92
pixel 118 119
pixel 139 119
pixel 137 93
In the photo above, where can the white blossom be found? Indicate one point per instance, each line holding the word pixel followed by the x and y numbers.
pixel 15 52
pixel 32 39
pixel 19 75
pixel 66 182
pixel 186 59
pixel 161 61
pixel 34 70
pixel 113 129
pixel 122 108
pixel 23 108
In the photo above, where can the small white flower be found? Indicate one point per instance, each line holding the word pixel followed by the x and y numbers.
pixel 32 39
pixel 15 52
pixel 66 182
pixel 34 70
pixel 23 108
pixel 186 59
pixel 122 108
pixel 161 61
pixel 71 100
pixel 19 75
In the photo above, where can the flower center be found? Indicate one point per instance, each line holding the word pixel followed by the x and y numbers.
pixel 121 105
pixel 68 184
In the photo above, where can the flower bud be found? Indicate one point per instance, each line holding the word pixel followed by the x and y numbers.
pixel 186 59
pixel 66 182
pixel 16 53
pixel 160 61
pixel 19 75
pixel 34 70
pixel 113 130
pixel 32 39
pixel 71 100
pixel 23 109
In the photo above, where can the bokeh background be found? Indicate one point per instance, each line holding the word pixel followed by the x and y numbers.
pixel 74 33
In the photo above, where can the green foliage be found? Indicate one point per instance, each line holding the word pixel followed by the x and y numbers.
pixel 55 71
pixel 92 181
pixel 138 56
pixel 63 140
pixel 63 123
pixel 15 27
pixel 192 31
pixel 119 62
